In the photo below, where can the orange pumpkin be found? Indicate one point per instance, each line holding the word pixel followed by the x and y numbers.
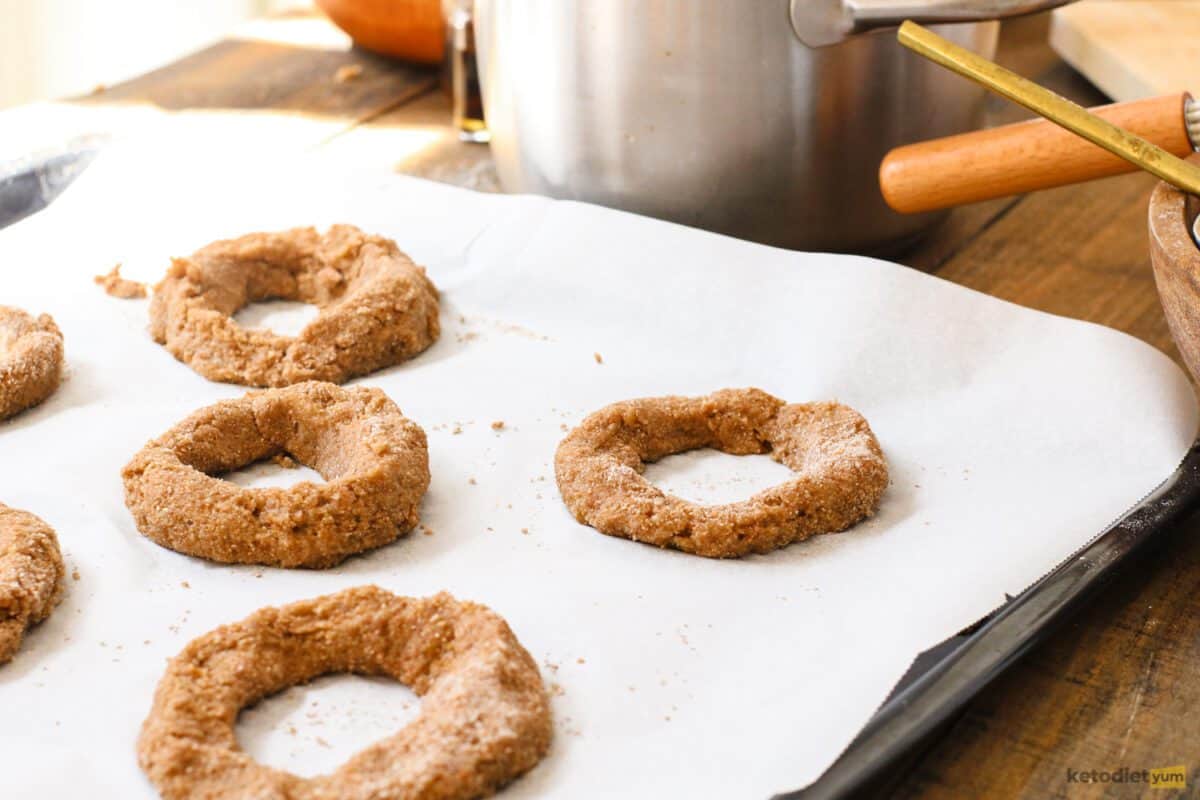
pixel 413 30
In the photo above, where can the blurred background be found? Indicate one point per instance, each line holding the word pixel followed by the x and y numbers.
pixel 57 48
pixel 733 117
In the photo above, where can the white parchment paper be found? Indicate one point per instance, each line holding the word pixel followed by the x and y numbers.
pixel 1012 437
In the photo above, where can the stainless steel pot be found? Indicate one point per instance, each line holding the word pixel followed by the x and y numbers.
pixel 715 113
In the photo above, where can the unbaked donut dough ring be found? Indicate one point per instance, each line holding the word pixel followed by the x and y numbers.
pixel 31 359
pixel 841 473
pixel 377 308
pixel 374 460
pixel 484 718
pixel 31 576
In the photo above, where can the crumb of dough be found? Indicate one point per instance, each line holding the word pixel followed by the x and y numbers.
pixel 347 73
pixel 116 286
pixel 498 425
pixel 599 358
pixel 185 584
pixel 285 461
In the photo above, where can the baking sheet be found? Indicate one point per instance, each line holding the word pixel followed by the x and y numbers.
pixel 1012 438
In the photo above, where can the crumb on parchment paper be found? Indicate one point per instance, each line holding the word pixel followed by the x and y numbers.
pixel 116 286
pixel 285 461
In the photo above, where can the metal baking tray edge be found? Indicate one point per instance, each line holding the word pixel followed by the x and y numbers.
pixel 944 678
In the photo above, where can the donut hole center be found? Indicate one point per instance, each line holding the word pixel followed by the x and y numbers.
pixel 280 471
pixel 234 450
pixel 282 317
pixel 274 444
pixel 712 477
pixel 314 728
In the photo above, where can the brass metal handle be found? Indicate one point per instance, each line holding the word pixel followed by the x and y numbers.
pixel 1063 112
pixel 819 23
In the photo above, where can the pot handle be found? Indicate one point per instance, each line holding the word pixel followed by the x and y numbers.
pixel 819 23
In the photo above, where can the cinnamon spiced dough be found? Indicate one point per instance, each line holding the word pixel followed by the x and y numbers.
pixel 840 471
pixel 31 360
pixel 484 718
pixel 377 308
pixel 374 460
pixel 31 576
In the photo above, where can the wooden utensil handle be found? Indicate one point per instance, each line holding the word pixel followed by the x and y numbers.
pixel 1020 158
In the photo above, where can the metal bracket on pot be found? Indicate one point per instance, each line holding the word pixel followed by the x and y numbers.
pixel 820 23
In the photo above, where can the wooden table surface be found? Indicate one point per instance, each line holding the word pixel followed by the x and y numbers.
pixel 1119 685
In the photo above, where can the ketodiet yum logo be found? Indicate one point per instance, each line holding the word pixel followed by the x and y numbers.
pixel 1157 778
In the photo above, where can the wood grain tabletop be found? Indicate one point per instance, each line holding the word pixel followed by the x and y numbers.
pixel 1118 685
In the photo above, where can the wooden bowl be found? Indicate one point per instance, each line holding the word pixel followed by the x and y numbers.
pixel 1176 260
pixel 413 30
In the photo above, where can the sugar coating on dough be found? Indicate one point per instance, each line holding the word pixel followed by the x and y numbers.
pixel 484 718
pixel 31 359
pixel 377 308
pixel 840 471
pixel 31 576
pixel 374 460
